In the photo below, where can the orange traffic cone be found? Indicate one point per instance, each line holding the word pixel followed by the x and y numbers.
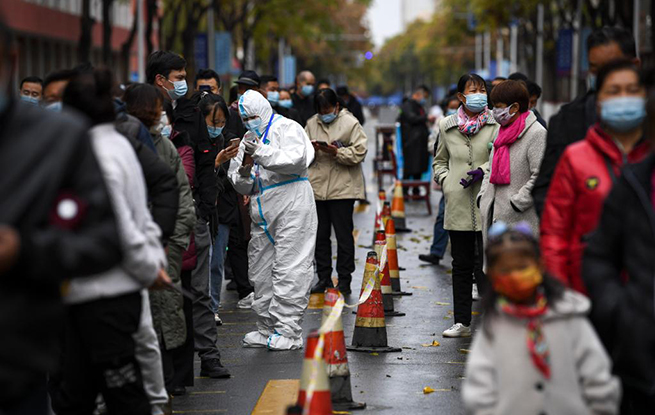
pixel 382 197
pixel 398 208
pixel 385 216
pixel 314 373
pixel 392 259
pixel 336 359
pixel 385 279
pixel 370 333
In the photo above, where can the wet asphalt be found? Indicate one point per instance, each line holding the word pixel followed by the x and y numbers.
pixel 389 383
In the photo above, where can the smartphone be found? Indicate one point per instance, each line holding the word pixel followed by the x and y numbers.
pixel 322 143
pixel 234 142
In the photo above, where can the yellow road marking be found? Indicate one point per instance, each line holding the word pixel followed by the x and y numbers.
pixel 277 396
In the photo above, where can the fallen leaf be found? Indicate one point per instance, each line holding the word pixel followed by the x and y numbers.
pixel 475 313
pixel 427 390
pixel 433 344
pixel 440 303
pixel 375 354
pixel 464 351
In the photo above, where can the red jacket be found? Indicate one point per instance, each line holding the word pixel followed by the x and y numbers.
pixel 575 199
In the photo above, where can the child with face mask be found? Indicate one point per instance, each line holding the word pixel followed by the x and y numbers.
pixel 536 352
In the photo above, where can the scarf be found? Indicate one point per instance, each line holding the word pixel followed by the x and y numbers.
pixel 537 345
pixel 471 125
pixel 500 165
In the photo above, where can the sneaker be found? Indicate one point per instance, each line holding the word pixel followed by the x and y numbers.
pixel 246 302
pixel 320 288
pixel 432 259
pixel 179 391
pixel 344 288
pixel 214 369
pixel 475 294
pixel 458 330
pixel 218 320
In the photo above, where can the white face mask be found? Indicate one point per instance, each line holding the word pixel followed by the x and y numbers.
pixel 503 115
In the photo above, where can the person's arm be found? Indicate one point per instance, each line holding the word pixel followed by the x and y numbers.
pixel 480 389
pixel 189 163
pixel 241 177
pixel 440 165
pixel 600 390
pixel 355 153
pixel 486 169
pixel 552 154
pixel 292 155
pixel 412 117
pixel 557 221
pixel 522 200
pixel 186 214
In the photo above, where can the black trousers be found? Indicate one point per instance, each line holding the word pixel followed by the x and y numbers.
pixel 337 214
pixel 178 362
pixel 467 251
pixel 237 257
pixel 636 402
pixel 98 357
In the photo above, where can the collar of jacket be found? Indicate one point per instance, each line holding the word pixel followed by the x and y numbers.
pixel 529 120
pixel 451 121
pixel 603 143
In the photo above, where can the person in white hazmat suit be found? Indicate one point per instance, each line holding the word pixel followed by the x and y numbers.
pixel 277 153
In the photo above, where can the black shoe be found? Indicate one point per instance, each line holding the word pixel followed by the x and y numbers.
pixel 345 289
pixel 231 286
pixel 432 259
pixel 320 288
pixel 214 369
pixel 179 391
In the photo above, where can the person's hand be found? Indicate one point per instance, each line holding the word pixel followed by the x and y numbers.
pixel 432 119
pixel 9 247
pixel 162 281
pixel 244 171
pixel 246 200
pixel 315 145
pixel 251 144
pixel 329 149
pixel 226 154
pixel 475 176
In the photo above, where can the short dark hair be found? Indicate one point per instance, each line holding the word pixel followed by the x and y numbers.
pixel 534 89
pixel 210 102
pixel 423 88
pixel 141 101
pixel 207 74
pixel 91 94
pixel 162 62
pixel 500 78
pixel 608 34
pixel 323 81
pixel 265 79
pixel 448 100
pixel 60 75
pixel 342 90
pixel 31 80
pixel 326 98
pixel 469 77
pixel 518 76
pixel 614 66
pixel 509 92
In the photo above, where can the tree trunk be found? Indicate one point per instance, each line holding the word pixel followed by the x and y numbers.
pixel 127 47
pixel 151 12
pixel 106 31
pixel 86 22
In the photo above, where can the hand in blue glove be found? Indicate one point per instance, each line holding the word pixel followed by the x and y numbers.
pixel 475 176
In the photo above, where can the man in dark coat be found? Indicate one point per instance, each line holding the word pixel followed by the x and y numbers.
pixel 573 120
pixel 352 103
pixel 414 131
pixel 270 85
pixel 303 96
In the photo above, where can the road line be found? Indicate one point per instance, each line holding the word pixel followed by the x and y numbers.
pixel 277 396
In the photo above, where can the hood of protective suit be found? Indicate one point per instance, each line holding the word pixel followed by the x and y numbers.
pixel 252 103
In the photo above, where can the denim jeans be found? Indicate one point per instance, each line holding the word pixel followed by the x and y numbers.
pixel 440 238
pixel 217 265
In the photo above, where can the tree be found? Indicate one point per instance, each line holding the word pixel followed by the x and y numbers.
pixel 106 31
pixel 86 32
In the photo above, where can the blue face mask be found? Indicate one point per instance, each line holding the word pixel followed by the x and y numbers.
pixel 623 114
pixel 54 107
pixel 286 103
pixel 422 101
pixel 450 111
pixel 214 131
pixel 253 125
pixel 476 102
pixel 166 131
pixel 327 118
pixel 307 90
pixel 180 90
pixel 273 97
pixel 30 100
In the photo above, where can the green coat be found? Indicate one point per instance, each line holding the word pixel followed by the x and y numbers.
pixel 166 305
pixel 456 155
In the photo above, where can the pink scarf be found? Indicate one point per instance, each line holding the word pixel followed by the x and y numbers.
pixel 500 166
pixel 471 126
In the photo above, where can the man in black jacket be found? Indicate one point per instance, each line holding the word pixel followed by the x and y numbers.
pixel 303 96
pixel 352 103
pixel 56 223
pixel 573 120
pixel 270 85
pixel 167 71
pixel 415 132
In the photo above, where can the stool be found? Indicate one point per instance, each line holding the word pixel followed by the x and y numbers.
pixel 417 184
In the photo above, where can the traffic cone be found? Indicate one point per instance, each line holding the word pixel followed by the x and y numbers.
pixel 398 208
pixel 314 372
pixel 382 197
pixel 336 359
pixel 392 259
pixel 385 216
pixel 385 279
pixel 370 333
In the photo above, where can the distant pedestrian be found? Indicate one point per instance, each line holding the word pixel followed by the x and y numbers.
pixel 303 96
pixel 352 103
pixel 271 86
pixel 414 133
pixel 31 90
pixel 536 351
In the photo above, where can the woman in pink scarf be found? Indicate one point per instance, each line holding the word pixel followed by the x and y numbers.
pixel 515 160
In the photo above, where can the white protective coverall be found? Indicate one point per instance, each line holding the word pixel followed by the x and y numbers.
pixel 283 212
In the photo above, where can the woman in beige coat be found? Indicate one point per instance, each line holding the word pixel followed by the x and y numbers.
pixel 337 179
pixel 461 158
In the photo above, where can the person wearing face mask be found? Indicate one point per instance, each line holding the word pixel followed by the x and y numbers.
pixel 31 90
pixel 53 88
pixel 462 156
pixel 303 96
pixel 283 106
pixel 573 120
pixel 516 156
pixel 352 103
pixel 337 179
pixel 167 71
pixel 414 130
pixel 535 340
pixel 272 168
pixel 588 169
